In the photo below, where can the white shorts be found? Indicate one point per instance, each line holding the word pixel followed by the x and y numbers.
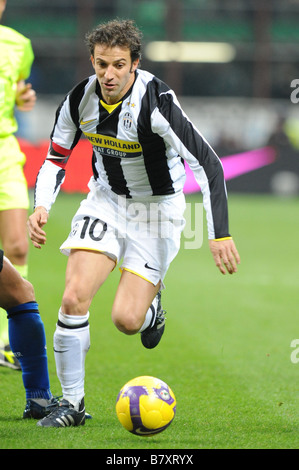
pixel 144 234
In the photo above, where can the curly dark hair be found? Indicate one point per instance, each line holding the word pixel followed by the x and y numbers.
pixel 122 33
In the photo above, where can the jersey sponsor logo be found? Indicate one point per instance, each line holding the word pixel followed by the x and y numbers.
pixel 112 147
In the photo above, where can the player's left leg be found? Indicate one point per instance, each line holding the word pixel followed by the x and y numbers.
pixel 137 309
pixel 133 299
pixel 152 242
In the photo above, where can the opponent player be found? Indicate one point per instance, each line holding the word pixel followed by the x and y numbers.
pixel 16 58
pixel 135 206
pixel 27 339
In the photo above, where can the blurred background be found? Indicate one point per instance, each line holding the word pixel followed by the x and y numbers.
pixel 234 65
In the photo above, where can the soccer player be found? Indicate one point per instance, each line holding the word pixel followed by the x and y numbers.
pixel 27 339
pixel 134 209
pixel 16 58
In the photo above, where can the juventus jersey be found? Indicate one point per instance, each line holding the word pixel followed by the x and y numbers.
pixel 139 147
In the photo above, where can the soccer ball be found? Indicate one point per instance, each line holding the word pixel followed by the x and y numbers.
pixel 145 406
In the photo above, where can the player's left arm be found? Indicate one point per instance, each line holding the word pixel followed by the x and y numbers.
pixel 25 96
pixel 225 254
pixel 182 135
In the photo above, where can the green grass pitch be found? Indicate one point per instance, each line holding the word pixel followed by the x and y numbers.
pixel 226 352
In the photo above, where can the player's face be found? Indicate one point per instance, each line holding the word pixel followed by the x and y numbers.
pixel 115 71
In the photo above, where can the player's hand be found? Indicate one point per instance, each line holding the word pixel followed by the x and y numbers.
pixel 25 97
pixel 35 223
pixel 225 255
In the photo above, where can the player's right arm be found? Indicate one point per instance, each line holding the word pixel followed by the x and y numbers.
pixel 48 183
pixel 51 175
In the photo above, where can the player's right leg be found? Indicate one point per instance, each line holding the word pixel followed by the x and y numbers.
pixel 86 272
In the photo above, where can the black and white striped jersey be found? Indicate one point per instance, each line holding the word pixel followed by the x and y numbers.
pixel 139 147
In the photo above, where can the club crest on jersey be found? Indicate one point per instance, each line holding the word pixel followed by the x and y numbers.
pixel 128 120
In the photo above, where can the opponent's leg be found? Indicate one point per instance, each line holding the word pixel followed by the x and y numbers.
pixel 13 288
pixel 27 340
pixel 86 272
pixel 13 234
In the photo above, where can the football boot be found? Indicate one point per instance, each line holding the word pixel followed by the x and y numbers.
pixel 64 415
pixel 8 359
pixel 151 336
pixel 38 408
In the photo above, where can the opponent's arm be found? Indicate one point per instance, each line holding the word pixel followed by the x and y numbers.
pixel 25 96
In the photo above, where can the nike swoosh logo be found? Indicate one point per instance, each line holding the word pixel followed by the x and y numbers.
pixel 146 433
pixel 149 267
pixel 86 122
pixel 60 352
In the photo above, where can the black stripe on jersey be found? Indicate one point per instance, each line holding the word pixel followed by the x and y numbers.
pixel 59 178
pixel 153 147
pixel 184 129
pixel 108 122
pixel 198 147
pixel 103 126
pixel 108 126
pixel 57 116
pixel 75 97
pixel 93 164
pixel 115 175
